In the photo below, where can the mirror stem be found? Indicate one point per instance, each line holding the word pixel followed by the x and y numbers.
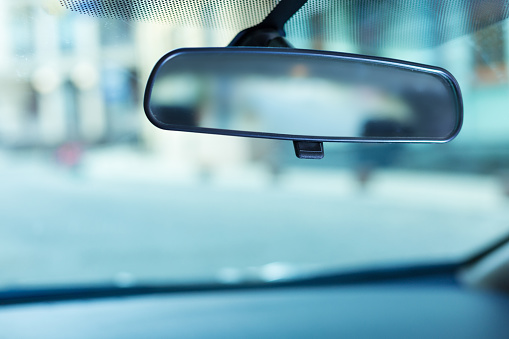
pixel 270 32
pixel 284 10
pixel 260 37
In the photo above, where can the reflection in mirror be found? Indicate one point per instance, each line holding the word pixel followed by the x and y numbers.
pixel 302 93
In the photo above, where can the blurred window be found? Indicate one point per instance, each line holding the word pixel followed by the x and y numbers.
pixel 66 33
pixel 22 29
pixel 490 46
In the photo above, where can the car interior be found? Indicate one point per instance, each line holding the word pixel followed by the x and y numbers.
pixel 412 131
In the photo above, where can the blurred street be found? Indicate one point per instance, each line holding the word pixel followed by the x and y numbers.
pixel 91 192
pixel 124 217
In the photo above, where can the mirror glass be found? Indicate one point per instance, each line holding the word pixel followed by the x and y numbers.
pixel 282 93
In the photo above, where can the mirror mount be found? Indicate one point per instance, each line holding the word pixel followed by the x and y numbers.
pixel 308 149
pixel 270 32
pixel 259 36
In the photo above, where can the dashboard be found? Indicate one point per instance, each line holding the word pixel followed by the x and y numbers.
pixel 365 311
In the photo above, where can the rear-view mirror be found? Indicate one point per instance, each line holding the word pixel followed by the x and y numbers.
pixel 302 95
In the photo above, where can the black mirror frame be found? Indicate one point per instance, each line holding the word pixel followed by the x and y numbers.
pixel 391 62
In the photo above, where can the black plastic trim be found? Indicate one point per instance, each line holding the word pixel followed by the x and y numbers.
pixel 308 150
pixel 260 37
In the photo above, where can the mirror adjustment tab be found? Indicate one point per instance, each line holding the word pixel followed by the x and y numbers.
pixel 308 149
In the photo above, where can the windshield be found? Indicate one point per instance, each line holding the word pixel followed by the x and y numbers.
pixel 92 193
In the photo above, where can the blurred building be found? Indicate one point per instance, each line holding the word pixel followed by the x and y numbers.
pixel 58 83
pixel 70 77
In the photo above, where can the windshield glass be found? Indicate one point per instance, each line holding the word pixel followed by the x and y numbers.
pixel 92 193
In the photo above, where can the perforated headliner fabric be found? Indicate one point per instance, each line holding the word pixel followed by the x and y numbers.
pixel 379 23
